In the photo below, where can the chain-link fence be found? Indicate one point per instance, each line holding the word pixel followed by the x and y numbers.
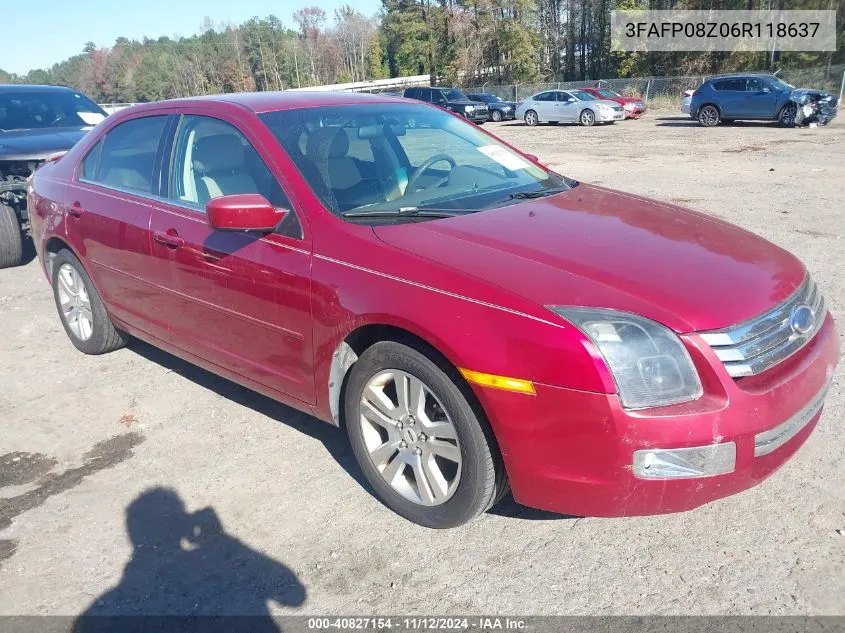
pixel 828 78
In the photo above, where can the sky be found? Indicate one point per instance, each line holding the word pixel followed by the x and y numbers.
pixel 44 32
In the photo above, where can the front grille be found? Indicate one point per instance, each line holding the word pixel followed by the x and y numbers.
pixel 617 108
pixel 756 345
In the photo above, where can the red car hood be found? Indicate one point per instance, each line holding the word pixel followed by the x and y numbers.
pixel 597 247
pixel 624 100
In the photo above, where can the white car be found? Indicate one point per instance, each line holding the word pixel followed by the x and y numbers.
pixel 685 101
pixel 568 106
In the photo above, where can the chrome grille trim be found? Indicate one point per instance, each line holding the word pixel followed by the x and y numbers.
pixel 756 345
pixel 773 439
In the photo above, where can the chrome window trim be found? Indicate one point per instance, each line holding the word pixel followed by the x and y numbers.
pixel 755 345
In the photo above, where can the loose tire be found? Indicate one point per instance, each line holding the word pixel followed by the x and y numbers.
pixel 531 118
pixel 787 114
pixel 708 116
pixel 417 439
pixel 81 310
pixel 588 117
pixel 11 238
pixel 496 116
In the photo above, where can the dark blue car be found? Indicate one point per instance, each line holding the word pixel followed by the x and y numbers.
pixel 752 97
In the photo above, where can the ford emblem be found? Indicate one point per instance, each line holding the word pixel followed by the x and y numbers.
pixel 802 319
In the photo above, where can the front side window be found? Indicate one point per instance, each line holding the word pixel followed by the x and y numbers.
pixel 213 158
pixel 454 95
pixel 583 96
pixel 40 109
pixel 419 158
pixel 754 85
pixel 127 155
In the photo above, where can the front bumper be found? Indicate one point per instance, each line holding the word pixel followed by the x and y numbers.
pixel 573 452
pixel 602 116
pixel 477 116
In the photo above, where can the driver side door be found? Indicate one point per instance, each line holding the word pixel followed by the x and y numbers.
pixel 237 299
pixel 568 107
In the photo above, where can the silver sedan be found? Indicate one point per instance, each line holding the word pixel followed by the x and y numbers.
pixel 568 106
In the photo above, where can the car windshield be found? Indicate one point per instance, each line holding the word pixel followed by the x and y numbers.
pixel 582 96
pixel 20 110
pixel 454 95
pixel 608 94
pixel 392 158
pixel 489 98
pixel 780 84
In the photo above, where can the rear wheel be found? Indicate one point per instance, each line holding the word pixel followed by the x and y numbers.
pixel 81 309
pixel 531 118
pixel 708 116
pixel 11 238
pixel 588 117
pixel 418 440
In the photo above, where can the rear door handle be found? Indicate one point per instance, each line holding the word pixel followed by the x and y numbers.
pixel 76 210
pixel 169 238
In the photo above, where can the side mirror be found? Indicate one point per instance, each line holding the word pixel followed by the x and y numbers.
pixel 766 90
pixel 571 100
pixel 243 212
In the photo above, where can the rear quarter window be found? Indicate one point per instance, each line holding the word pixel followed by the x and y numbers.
pixel 127 154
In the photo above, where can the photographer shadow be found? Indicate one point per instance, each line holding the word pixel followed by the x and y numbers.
pixel 185 565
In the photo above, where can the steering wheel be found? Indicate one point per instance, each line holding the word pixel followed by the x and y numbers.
pixel 412 181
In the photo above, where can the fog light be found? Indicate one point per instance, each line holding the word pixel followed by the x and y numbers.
pixel 683 463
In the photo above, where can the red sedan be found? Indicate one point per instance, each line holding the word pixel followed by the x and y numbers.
pixel 634 106
pixel 476 321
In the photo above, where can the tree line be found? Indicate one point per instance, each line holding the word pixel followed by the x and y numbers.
pixel 457 42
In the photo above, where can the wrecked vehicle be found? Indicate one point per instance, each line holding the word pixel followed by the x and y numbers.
pixel 36 122
pixel 759 97
pixel 813 107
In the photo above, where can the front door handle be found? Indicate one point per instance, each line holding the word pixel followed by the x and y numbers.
pixel 169 238
pixel 76 210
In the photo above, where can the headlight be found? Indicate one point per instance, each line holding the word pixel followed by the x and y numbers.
pixel 650 365
pixel 628 106
pixel 469 108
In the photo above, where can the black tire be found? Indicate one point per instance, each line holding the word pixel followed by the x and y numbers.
pixel 531 119
pixel 11 238
pixel 482 476
pixel 105 337
pixel 787 114
pixel 496 116
pixel 708 116
pixel 587 118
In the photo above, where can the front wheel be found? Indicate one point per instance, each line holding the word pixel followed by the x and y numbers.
pixel 496 116
pixel 417 439
pixel 81 309
pixel 787 115
pixel 11 238
pixel 588 118
pixel 708 116
pixel 531 118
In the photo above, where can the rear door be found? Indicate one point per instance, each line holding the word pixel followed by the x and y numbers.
pixel 544 106
pixel 240 300
pixel 731 96
pixel 109 219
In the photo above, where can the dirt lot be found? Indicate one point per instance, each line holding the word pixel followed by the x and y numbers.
pixel 84 440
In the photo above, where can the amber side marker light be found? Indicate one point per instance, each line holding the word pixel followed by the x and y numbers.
pixel 498 382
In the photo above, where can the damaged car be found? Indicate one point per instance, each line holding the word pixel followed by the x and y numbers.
pixel 36 123
pixel 759 97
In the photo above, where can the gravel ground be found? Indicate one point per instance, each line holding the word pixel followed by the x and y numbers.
pixel 93 448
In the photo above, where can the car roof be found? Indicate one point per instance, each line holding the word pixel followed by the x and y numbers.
pixel 33 88
pixel 260 102
pixel 740 75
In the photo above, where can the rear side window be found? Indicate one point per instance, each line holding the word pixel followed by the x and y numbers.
pixel 545 96
pixel 730 84
pixel 91 161
pixel 127 155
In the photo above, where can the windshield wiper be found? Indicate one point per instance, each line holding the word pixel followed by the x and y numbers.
pixel 404 212
pixel 527 195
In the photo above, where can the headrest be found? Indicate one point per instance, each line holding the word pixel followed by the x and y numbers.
pixel 327 142
pixel 218 153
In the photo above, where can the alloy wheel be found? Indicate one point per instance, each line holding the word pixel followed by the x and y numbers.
pixel 587 117
pixel 708 116
pixel 497 116
pixel 410 437
pixel 75 303
pixel 531 118
pixel 787 115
